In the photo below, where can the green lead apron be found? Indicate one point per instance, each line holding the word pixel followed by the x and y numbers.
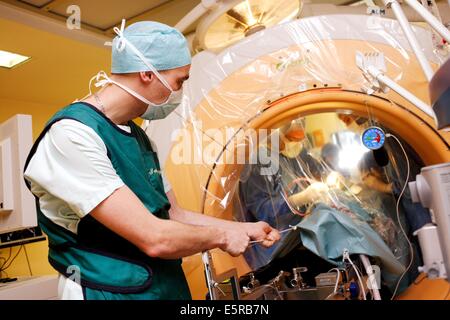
pixel 107 265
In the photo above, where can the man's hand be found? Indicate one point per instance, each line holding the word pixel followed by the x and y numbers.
pixel 237 234
pixel 377 184
pixel 237 238
pixel 236 241
pixel 262 231
pixel 314 192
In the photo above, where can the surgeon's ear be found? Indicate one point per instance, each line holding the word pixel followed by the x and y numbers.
pixel 147 76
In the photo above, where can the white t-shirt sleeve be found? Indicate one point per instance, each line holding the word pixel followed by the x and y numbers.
pixel 71 164
pixel 166 183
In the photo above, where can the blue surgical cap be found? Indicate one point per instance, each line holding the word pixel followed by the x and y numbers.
pixel 162 46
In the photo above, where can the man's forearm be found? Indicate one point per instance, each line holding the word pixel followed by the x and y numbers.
pixel 198 219
pixel 178 240
pixel 124 214
pixel 194 218
pixel 258 231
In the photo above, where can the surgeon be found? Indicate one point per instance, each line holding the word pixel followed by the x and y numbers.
pixel 386 183
pixel 392 180
pixel 113 233
pixel 265 197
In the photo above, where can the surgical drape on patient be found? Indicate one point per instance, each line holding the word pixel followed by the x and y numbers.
pixel 328 232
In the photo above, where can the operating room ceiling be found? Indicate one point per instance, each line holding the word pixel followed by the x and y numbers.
pixel 102 15
pixel 63 60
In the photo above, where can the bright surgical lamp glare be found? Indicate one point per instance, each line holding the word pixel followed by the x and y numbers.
pixel 351 151
pixel 9 60
pixel 264 12
pixel 249 14
pixel 350 156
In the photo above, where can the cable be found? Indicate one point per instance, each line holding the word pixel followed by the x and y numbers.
pixel 7 259
pixel 421 279
pixel 337 279
pixel 448 293
pixel 336 284
pixel 373 288
pixel 277 291
pixel 28 261
pixel 359 275
pixel 295 211
pixel 291 227
pixel 345 256
pixel 3 263
pixel 5 273
pixel 398 215
pixel 12 260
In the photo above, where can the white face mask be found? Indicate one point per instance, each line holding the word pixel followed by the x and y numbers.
pixel 154 111
pixel 292 149
pixel 161 111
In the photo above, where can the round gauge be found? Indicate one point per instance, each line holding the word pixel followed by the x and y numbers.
pixel 373 138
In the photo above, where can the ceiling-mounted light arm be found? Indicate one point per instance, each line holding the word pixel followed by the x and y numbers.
pixel 373 67
pixel 195 14
pixel 385 80
pixel 407 30
pixel 430 19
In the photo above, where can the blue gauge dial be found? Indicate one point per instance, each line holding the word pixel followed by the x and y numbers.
pixel 373 138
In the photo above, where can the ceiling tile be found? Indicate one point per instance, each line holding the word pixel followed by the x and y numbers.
pixel 37 3
pixel 104 14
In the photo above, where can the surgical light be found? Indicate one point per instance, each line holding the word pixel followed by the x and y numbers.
pixel 231 21
pixel 9 60
pixel 351 150
pixel 350 156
